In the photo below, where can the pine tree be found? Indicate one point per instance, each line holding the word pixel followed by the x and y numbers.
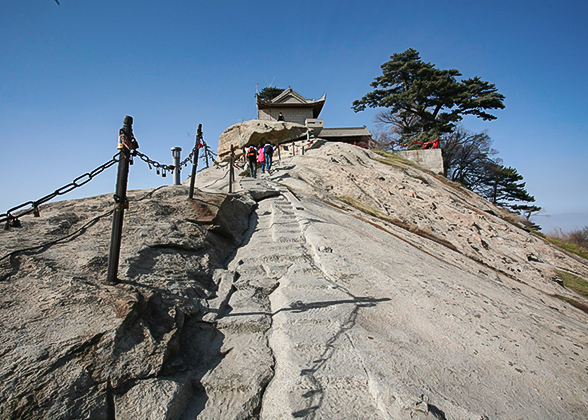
pixel 424 102
pixel 527 211
pixel 503 185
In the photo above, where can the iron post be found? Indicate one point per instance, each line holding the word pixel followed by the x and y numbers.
pixel 120 198
pixel 231 169
pixel 195 161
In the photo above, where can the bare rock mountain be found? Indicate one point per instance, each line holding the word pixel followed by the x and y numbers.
pixel 345 285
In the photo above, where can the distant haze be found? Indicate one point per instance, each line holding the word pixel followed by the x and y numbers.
pixel 565 221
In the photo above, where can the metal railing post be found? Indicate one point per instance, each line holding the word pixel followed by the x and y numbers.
pixel 120 198
pixel 278 147
pixel 176 155
pixel 232 169
pixel 195 161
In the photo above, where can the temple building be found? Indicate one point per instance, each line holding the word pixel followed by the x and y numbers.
pixel 297 109
pixel 292 105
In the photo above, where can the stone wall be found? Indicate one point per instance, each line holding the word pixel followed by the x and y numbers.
pixel 294 115
pixel 431 159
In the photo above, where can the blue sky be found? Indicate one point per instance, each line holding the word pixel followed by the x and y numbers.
pixel 70 73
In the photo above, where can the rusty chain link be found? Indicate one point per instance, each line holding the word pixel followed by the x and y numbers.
pixel 12 220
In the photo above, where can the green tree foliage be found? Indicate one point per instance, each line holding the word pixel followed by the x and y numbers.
pixel 467 159
pixel 503 185
pixel 269 93
pixel 425 102
pixel 527 211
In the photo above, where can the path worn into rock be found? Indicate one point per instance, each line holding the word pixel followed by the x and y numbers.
pixel 360 319
pixel 282 293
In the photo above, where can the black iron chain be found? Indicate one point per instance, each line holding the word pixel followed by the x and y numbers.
pixel 208 151
pixel 12 220
pixel 81 229
pixel 160 167
pixel 188 159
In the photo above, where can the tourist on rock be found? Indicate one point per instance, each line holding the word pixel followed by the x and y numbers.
pixel 261 158
pixel 252 159
pixel 280 117
pixel 268 151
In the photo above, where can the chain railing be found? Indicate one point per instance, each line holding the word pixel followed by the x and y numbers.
pixel 11 219
pixel 12 216
pixel 81 229
pixel 162 168
pixel 127 146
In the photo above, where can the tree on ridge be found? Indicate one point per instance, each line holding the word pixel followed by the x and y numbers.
pixel 425 102
pixel 503 185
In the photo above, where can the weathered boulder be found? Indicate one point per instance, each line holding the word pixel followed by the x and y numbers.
pixel 256 132
pixel 73 346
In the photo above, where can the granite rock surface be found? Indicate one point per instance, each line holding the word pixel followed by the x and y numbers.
pixel 342 285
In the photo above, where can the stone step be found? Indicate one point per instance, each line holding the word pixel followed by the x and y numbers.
pixel 278 218
pixel 309 298
pixel 303 269
pixel 310 283
pixel 282 202
pixel 234 387
pixel 268 246
pixel 281 223
pixel 276 271
pixel 278 257
pixel 266 284
pixel 288 238
pixel 251 270
pixel 244 322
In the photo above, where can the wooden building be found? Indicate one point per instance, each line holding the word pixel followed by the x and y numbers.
pixel 297 109
pixel 293 106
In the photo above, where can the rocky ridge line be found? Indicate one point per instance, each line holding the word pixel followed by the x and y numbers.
pixel 283 301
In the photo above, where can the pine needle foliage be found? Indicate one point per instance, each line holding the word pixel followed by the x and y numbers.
pixel 424 102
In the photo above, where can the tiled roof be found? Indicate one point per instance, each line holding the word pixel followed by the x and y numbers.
pixel 290 99
pixel 345 132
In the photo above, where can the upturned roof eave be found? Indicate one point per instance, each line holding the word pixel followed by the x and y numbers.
pixel 316 106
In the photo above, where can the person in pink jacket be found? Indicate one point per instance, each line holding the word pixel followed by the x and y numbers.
pixel 261 158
